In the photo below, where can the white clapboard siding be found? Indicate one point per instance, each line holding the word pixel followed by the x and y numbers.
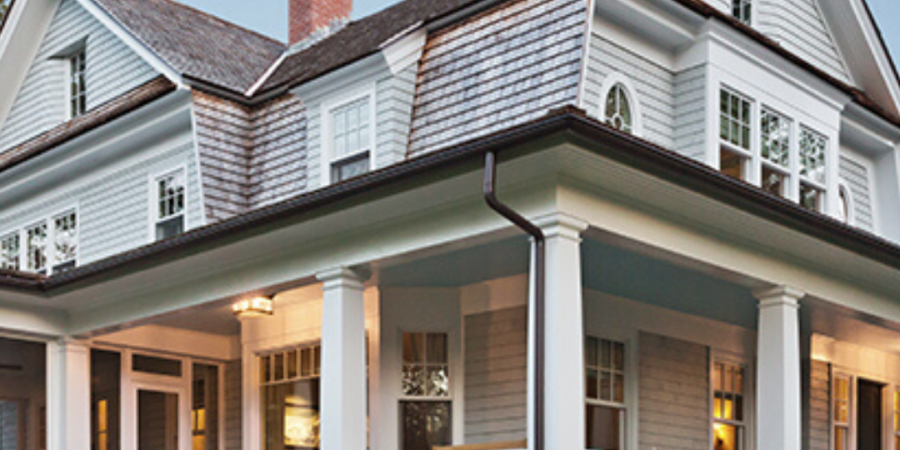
pixel 798 25
pixel 654 85
pixel 505 66
pixel 674 402
pixel 858 180
pixel 394 103
pixel 690 112
pixel 112 70
pixel 496 373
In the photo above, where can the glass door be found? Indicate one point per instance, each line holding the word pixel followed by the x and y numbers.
pixel 158 420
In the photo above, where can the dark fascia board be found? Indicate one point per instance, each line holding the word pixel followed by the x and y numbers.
pixel 563 125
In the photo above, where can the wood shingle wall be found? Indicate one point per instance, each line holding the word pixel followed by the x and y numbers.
pixel 817 405
pixel 505 66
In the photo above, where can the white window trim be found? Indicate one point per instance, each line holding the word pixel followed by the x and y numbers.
pixel 626 406
pixel 51 234
pixel 153 207
pixel 49 249
pixel 616 78
pixel 753 12
pixel 851 408
pixel 67 60
pixel 749 395
pixel 326 137
pixel 424 398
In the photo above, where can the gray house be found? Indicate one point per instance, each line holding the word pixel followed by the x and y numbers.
pixel 474 224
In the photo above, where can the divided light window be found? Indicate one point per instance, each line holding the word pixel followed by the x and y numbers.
pixel 812 170
pixel 605 390
pixel 618 109
pixel 290 388
pixel 742 10
pixel 776 152
pixel 48 244
pixel 77 84
pixel 170 204
pixel 426 405
pixel 351 140
pixel 729 417
pixel 36 248
pixel 841 413
pixel 65 241
pixel 734 133
pixel 9 252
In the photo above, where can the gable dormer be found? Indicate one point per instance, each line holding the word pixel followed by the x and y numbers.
pixel 79 66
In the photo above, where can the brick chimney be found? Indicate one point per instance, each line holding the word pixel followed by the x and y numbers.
pixel 308 16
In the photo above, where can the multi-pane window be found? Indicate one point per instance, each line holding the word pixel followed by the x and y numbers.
pixel 734 134
pixel 170 204
pixel 742 10
pixel 77 84
pixel 351 140
pixel 729 417
pixel 618 112
pixel 291 403
pixel 841 413
pixel 604 362
pixel 9 252
pixel 426 409
pixel 776 152
pixel 65 241
pixel 813 147
pixel 36 247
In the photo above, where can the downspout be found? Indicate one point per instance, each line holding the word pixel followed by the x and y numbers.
pixel 539 246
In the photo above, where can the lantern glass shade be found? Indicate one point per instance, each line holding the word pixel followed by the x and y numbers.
pixel 254 307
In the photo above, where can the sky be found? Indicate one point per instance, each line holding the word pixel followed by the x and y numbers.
pixel 270 16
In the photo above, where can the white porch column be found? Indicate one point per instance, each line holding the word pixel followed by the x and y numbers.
pixel 343 395
pixel 778 404
pixel 564 407
pixel 68 395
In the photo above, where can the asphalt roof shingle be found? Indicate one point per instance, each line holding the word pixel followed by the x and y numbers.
pixel 198 45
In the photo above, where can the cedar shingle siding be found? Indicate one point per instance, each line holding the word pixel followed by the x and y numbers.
pixel 817 407
pixel 505 66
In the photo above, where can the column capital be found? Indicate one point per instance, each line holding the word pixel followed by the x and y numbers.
pixel 339 277
pixel 70 344
pixel 560 224
pixel 779 296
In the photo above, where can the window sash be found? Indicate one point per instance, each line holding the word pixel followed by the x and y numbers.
pixel 351 128
pixel 307 360
pixel 77 84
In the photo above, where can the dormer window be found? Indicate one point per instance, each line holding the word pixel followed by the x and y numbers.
pixel 812 169
pixel 170 205
pixel 77 84
pixel 618 113
pixel 742 10
pixel 9 252
pixel 351 140
pixel 776 153
pixel 36 248
pixel 734 135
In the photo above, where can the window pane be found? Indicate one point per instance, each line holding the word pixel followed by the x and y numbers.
pixel 732 164
pixel 293 364
pixel 605 386
pixel 619 392
pixel 774 182
pixel 438 378
pixel 591 384
pixel 811 197
pixel 590 352
pixel 413 348
pixel 158 366
pixel 812 155
pixel 292 415
pixel 726 437
pixel 306 362
pixel 618 356
pixel 426 425
pixel 840 438
pixel 604 428
pixel 605 354
pixel 437 348
pixel 279 366
pixel 413 380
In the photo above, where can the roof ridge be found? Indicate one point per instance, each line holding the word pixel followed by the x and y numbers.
pixel 224 21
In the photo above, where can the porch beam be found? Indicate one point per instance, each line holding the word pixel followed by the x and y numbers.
pixel 563 376
pixel 343 394
pixel 68 395
pixel 778 408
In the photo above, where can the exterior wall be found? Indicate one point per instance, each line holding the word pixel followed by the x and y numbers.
pixel 507 65
pixel 799 26
pixel 233 405
pixel 27 388
pixel 112 70
pixel 496 350
pixel 654 85
pixel 674 394
pixel 394 103
pixel 817 414
pixel 113 201
pixel 856 174
pixel 278 161
pixel 691 112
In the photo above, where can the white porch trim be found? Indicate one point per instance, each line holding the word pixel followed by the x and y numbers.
pixel 68 395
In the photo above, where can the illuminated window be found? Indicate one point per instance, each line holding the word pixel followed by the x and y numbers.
pixel 170 204
pixel 102 425
pixel 734 134
pixel 896 417
pixel 205 407
pixel 604 362
pixel 618 111
pixel 291 385
pixel 9 252
pixel 425 407
pixel 729 416
pixel 77 84
pixel 841 414
pixel 742 10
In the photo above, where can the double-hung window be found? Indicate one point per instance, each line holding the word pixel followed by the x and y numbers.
pixel 841 414
pixel 605 391
pixel 77 84
pixel 729 403
pixel 742 10
pixel 425 409
pixel 812 169
pixel 291 402
pixel 65 241
pixel 776 152
pixel 351 140
pixel 9 252
pixel 734 133
pixel 36 248
pixel 170 205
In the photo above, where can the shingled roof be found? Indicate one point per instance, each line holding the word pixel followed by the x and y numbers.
pixel 196 44
pixel 357 40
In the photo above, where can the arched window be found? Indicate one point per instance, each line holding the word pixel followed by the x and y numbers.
pixel 618 113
